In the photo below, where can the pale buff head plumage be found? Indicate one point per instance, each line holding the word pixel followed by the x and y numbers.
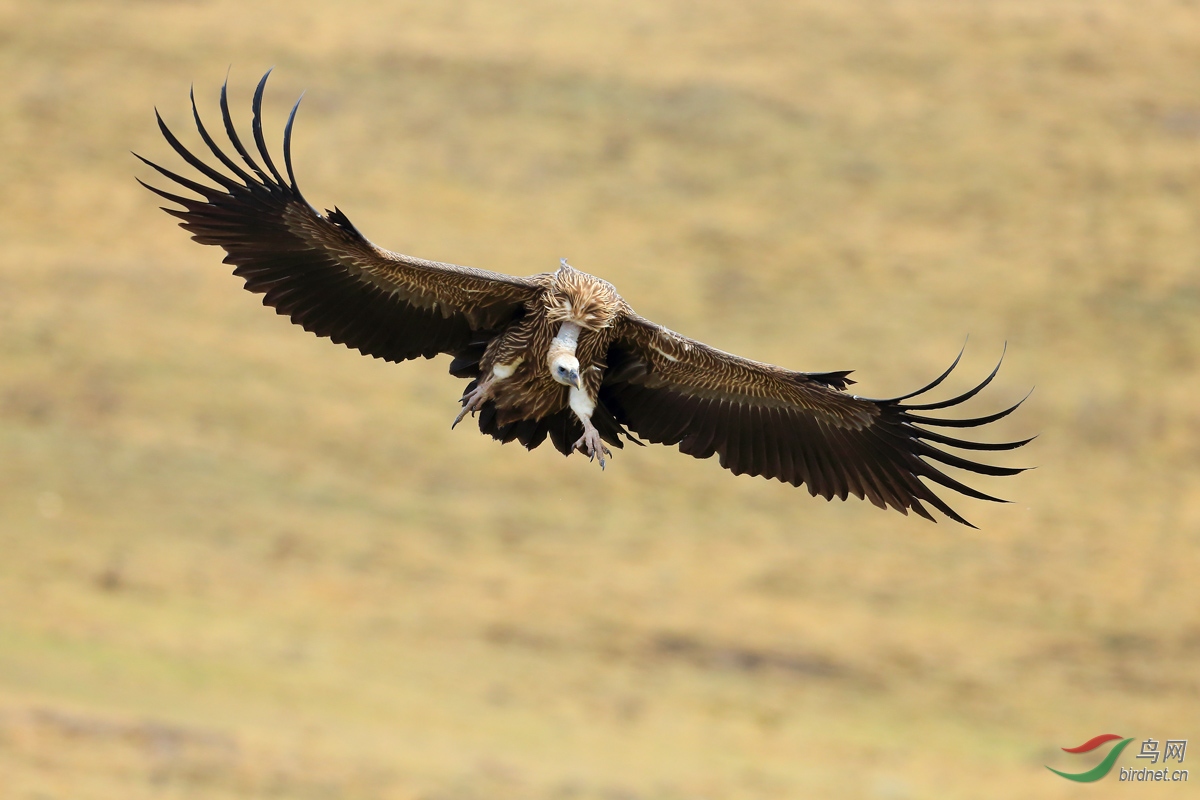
pixel 583 299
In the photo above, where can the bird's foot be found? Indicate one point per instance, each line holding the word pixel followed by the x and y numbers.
pixel 473 400
pixel 591 445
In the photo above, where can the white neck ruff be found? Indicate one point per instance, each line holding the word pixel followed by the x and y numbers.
pixel 567 338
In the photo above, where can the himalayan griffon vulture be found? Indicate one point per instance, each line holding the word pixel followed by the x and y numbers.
pixel 561 354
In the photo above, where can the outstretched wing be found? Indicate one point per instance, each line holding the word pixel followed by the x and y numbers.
pixel 318 269
pixel 801 428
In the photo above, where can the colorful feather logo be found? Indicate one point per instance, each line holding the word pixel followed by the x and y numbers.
pixel 1100 770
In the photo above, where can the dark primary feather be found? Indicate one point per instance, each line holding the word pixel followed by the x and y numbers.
pixel 318 269
pixel 796 427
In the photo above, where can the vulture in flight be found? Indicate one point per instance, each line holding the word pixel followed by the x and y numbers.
pixel 561 355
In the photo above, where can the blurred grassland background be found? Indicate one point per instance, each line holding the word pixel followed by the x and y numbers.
pixel 237 561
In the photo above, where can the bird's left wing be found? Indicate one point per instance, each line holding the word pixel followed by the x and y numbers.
pixel 318 269
pixel 800 428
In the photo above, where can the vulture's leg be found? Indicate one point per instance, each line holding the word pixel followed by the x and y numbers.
pixel 472 401
pixel 590 444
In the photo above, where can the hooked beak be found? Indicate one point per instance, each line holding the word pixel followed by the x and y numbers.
pixel 573 377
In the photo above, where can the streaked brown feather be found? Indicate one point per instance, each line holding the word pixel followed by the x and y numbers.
pixel 318 269
pixel 798 428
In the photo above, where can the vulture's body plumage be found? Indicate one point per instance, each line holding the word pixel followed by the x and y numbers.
pixel 561 355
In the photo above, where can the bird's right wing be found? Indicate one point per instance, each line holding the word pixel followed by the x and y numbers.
pixel 797 427
pixel 318 269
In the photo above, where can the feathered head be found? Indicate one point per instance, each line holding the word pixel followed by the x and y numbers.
pixel 580 298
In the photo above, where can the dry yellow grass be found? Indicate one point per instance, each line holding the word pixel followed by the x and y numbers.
pixel 241 562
